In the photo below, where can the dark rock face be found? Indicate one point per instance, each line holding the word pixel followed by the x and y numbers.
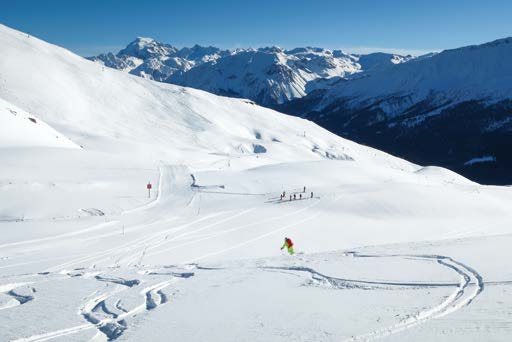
pixel 452 137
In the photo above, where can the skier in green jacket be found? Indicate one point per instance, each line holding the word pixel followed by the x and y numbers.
pixel 288 244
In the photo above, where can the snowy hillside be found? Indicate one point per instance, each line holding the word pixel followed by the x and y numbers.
pixel 268 76
pixel 87 252
pixel 391 107
pixel 20 129
pixel 108 111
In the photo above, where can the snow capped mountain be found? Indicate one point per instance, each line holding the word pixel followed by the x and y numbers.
pixel 144 48
pixel 201 54
pixel 268 76
pixel 157 61
pixel 474 72
pixel 463 95
pixel 381 60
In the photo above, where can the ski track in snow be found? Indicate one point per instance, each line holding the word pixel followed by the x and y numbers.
pixel 111 322
pixel 140 248
pixel 460 298
pixel 106 320
pixel 100 226
pixel 468 288
pixel 227 231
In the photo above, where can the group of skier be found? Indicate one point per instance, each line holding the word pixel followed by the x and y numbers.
pixel 294 196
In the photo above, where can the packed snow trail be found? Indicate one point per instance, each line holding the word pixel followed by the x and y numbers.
pixel 175 183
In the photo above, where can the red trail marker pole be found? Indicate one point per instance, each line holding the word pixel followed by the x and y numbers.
pixel 149 186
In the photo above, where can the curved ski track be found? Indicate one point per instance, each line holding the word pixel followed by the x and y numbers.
pixel 467 289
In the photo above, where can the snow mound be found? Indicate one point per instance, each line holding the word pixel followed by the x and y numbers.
pixel 439 173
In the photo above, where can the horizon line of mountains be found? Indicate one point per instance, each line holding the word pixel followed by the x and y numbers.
pixel 451 109
pixel 268 75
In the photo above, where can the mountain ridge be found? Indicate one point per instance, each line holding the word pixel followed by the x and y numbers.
pixel 457 103
pixel 268 75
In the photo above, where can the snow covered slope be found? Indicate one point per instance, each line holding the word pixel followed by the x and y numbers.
pixel 108 111
pixel 103 108
pixel 20 129
pixel 462 94
pixel 88 253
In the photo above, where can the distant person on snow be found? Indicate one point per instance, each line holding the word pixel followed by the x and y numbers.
pixel 304 189
pixel 288 244
pixel 294 196
pixel 311 194
pixel 300 196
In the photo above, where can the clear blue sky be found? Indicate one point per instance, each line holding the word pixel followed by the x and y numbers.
pixel 89 27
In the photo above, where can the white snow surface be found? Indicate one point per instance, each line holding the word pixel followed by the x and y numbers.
pixel 385 249
pixel 20 129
